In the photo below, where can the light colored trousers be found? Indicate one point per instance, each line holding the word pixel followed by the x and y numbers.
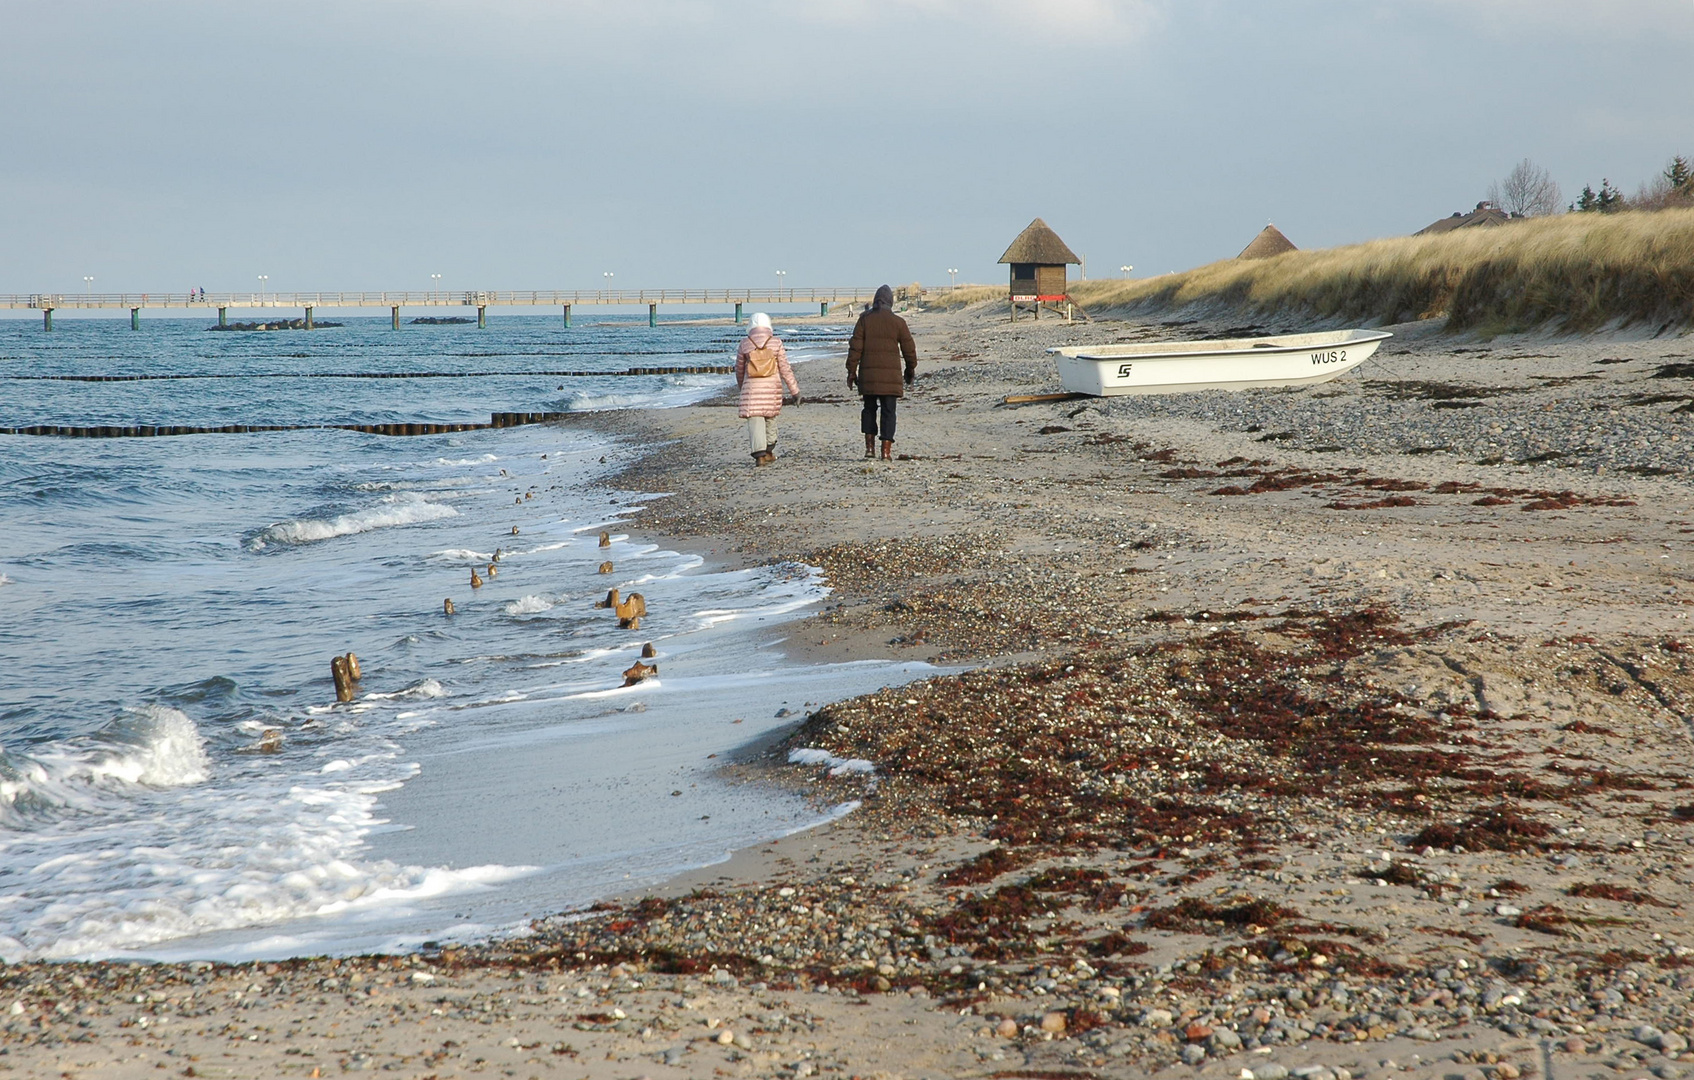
pixel 761 433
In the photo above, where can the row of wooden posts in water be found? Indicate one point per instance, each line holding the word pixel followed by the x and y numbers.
pixel 344 670
pixel 629 611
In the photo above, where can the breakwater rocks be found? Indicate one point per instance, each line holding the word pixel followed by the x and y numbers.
pixel 276 324
pixel 441 320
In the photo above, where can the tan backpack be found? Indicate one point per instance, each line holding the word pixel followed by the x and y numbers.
pixel 761 362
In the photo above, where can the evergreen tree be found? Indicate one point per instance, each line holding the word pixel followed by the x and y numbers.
pixel 1604 201
pixel 1680 174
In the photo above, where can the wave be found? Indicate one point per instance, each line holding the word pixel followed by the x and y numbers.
pixel 838 766
pixel 152 747
pixel 401 508
pixel 423 688
pixel 463 555
pixel 531 605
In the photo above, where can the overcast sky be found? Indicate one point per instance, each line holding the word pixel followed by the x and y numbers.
pixel 530 144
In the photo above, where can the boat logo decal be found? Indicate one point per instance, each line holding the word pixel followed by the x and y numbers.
pixel 1333 356
pixel 1123 370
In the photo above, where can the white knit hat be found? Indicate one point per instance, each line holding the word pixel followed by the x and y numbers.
pixel 760 319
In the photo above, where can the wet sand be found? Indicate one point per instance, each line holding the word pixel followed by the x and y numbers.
pixel 1341 729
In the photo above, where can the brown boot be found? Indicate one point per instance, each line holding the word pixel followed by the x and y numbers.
pixel 763 457
pixel 888 449
pixel 870 447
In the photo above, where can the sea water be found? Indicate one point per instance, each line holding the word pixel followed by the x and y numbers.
pixel 176 777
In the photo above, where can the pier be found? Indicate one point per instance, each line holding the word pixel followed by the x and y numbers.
pixel 309 302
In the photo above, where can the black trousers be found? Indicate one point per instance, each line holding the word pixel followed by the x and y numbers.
pixel 867 415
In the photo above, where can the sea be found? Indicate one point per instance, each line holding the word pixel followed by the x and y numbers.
pixel 177 778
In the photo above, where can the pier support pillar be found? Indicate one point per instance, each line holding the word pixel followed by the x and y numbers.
pixel 394 313
pixel 223 316
pixel 567 308
pixel 652 314
pixel 135 318
pixel 481 317
pixel 738 313
pixel 308 318
pixel 46 318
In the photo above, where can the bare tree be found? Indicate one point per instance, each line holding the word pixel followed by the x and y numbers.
pixel 1527 191
pixel 1672 188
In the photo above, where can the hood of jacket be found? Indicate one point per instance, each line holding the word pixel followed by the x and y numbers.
pixel 759 335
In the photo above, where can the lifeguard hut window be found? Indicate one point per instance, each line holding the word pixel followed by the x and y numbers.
pixel 1023 271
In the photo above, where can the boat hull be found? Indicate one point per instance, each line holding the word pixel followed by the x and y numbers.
pixel 1240 364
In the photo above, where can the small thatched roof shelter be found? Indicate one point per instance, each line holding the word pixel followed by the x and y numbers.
pixel 1038 259
pixel 1485 214
pixel 1270 241
pixel 1040 245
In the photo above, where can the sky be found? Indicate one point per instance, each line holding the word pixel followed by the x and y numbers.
pixel 370 144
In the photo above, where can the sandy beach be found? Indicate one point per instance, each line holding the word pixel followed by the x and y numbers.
pixel 1332 732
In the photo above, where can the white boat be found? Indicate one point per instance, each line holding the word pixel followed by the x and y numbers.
pixel 1169 367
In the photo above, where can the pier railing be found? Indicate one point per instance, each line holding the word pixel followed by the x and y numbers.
pixel 477 298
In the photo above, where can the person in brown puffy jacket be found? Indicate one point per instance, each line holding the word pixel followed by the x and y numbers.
pixel 881 340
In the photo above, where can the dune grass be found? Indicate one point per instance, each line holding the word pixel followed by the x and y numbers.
pixel 1573 272
pixel 944 298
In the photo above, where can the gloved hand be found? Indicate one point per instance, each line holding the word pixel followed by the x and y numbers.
pixel 852 383
pixel 911 377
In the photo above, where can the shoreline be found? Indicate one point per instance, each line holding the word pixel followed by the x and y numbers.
pixel 1205 899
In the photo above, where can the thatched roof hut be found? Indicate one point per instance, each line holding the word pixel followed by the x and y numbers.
pixel 1038 258
pixel 1270 241
pixel 1486 214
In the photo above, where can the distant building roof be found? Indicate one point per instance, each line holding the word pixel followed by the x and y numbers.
pixel 1040 245
pixel 1486 213
pixel 1270 241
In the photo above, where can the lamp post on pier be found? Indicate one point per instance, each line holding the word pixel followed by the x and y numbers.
pixel 262 279
pixel 780 275
pixel 435 282
pixel 88 283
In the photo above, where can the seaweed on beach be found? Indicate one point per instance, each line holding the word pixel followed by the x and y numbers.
pixel 1622 894
pixel 1391 502
pixel 1194 916
pixel 1426 390
pixel 1499 828
pixel 1282 480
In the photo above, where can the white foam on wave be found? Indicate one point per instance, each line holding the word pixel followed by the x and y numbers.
pixel 423 688
pixel 4 580
pixel 248 868
pixel 463 555
pixel 838 766
pixel 401 508
pixel 461 462
pixel 151 747
pixel 590 401
pixel 532 605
